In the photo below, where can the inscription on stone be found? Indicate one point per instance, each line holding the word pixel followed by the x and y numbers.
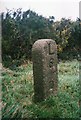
pixel 51 62
pixel 44 55
pixel 51 48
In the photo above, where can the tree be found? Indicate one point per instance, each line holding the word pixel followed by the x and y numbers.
pixel 21 30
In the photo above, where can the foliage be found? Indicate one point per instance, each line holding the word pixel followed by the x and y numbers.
pixel 20 29
pixel 63 30
pixel 74 42
pixel 17 88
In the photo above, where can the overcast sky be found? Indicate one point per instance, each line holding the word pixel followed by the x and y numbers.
pixel 56 8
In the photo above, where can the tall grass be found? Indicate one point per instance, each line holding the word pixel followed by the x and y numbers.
pixel 17 88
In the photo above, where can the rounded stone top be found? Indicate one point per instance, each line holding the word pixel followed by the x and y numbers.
pixel 42 43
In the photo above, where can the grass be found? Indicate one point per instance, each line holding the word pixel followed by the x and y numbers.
pixel 17 88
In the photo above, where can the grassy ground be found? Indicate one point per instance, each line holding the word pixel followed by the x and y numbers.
pixel 17 88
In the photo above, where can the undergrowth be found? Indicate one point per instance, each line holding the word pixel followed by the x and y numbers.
pixel 18 92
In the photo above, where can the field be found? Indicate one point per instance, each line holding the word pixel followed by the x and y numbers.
pixel 17 90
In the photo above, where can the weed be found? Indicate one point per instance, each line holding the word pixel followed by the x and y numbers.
pixel 17 88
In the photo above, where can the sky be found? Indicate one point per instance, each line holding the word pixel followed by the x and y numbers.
pixel 57 8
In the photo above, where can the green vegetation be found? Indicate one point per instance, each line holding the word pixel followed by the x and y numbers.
pixel 17 88
pixel 20 29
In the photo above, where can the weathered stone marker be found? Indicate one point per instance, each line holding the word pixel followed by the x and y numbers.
pixel 44 54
